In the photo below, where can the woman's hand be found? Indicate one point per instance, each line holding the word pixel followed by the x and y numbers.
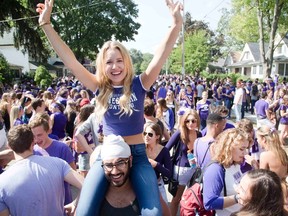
pixel 152 162
pixel 44 11
pixel 175 9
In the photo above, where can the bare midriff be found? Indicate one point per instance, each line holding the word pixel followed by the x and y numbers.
pixel 134 139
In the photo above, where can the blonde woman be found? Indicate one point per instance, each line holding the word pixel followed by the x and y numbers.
pixel 183 138
pixel 274 157
pixel 15 115
pixel 5 107
pixel 120 102
pixel 229 148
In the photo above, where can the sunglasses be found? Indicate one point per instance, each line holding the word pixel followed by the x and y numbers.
pixel 191 120
pixel 149 134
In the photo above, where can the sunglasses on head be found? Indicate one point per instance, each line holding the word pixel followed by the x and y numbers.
pixel 149 134
pixel 191 120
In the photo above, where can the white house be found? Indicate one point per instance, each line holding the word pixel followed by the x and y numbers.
pixel 249 63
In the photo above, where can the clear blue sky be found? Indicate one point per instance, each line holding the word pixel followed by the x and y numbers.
pixel 155 19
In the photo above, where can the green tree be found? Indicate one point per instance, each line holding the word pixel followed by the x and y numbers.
pixel 25 31
pixel 5 73
pixel 147 57
pixel 197 53
pixel 85 29
pixel 42 77
pixel 259 20
pixel 137 58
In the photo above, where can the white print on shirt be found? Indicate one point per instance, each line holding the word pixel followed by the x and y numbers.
pixel 114 101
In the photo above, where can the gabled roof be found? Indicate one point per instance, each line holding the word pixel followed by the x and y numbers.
pixel 255 51
pixel 235 55
pixel 48 66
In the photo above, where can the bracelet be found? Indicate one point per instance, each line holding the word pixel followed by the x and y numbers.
pixel 44 23
pixel 236 198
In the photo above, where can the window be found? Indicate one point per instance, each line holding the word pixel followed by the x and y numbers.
pixel 246 55
pixel 281 69
pixel 254 70
pixel 260 70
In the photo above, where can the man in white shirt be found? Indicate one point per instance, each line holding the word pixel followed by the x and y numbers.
pixel 238 98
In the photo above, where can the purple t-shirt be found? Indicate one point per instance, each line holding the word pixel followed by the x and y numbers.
pixel 60 121
pixel 203 110
pixel 60 150
pixel 202 152
pixel 227 126
pixel 261 106
pixel 213 184
pixel 284 120
pixel 125 125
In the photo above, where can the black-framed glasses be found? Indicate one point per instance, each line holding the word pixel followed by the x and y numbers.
pixel 149 134
pixel 120 165
pixel 190 120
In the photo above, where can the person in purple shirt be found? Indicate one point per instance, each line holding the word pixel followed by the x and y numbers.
pixel 215 125
pixel 224 112
pixel 58 120
pixel 229 148
pixel 203 109
pixel 47 146
pixel 183 140
pixel 262 111
pixel 283 124
pixel 158 155
pixel 15 115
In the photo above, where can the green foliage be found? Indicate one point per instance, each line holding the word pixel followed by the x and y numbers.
pixel 42 77
pixel 26 34
pixel 137 58
pixel 147 57
pixel 87 28
pixel 211 76
pixel 5 73
pixel 197 53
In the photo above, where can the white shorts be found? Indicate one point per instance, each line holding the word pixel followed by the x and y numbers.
pixel 185 174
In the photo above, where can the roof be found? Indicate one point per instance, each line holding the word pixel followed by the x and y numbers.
pixel 48 66
pixel 255 51
pixel 235 55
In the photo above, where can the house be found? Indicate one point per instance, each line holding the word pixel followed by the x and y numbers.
pixel 20 61
pixel 249 63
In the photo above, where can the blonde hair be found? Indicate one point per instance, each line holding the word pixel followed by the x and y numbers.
pixel 14 114
pixel 4 101
pixel 105 87
pixel 273 142
pixel 225 143
pixel 184 133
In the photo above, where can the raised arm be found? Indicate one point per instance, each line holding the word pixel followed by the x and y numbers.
pixel 62 50
pixel 150 75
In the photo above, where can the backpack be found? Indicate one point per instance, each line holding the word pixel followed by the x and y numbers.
pixel 191 203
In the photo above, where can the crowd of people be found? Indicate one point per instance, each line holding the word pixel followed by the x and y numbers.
pixel 115 133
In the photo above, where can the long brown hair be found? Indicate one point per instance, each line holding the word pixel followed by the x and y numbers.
pixel 184 132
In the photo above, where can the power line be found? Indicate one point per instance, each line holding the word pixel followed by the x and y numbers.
pixel 213 9
pixel 32 17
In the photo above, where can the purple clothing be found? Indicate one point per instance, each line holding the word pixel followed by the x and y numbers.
pixel 59 125
pixel 261 106
pixel 227 126
pixel 213 184
pixel 203 110
pixel 18 122
pixel 181 153
pixel 162 92
pixel 164 164
pixel 60 150
pixel 115 123
pixel 200 149
pixel 284 119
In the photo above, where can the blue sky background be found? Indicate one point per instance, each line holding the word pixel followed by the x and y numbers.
pixel 155 19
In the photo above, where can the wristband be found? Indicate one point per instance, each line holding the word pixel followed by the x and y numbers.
pixel 236 198
pixel 44 23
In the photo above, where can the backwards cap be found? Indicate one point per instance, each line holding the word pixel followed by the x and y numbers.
pixel 114 147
